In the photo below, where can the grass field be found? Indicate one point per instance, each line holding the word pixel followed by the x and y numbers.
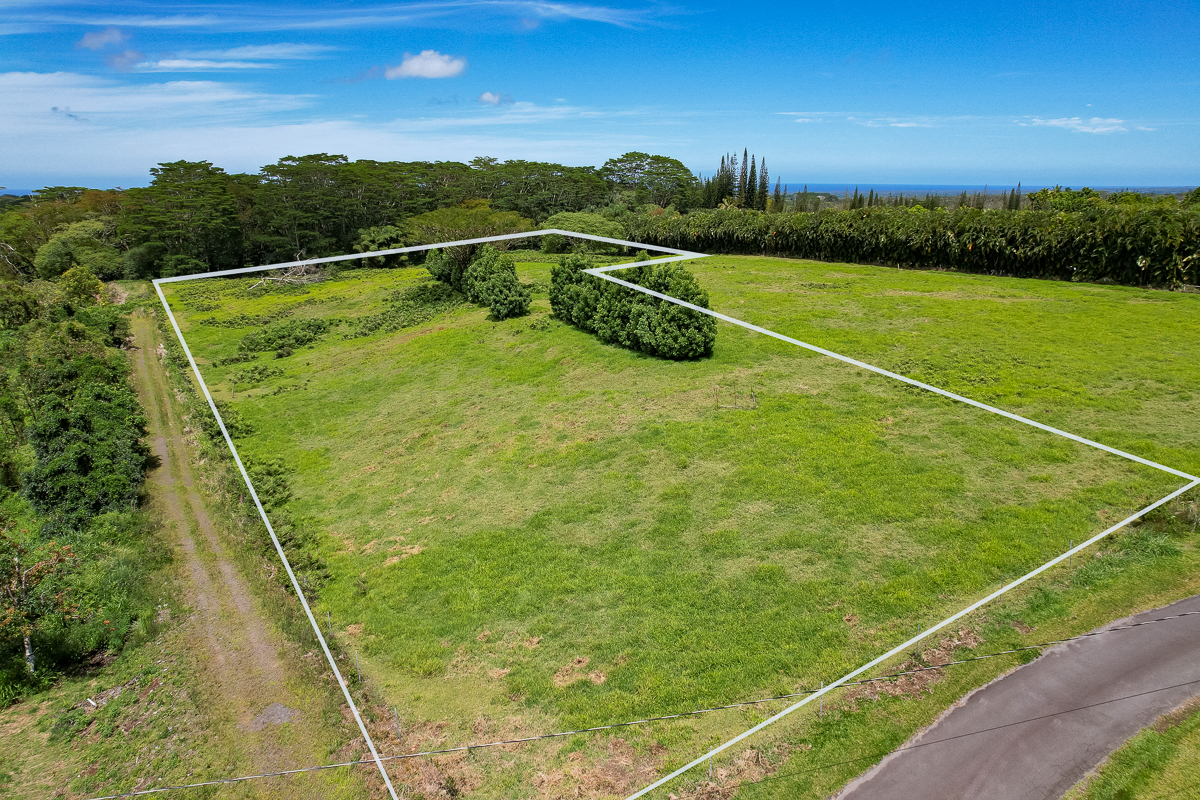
pixel 1160 763
pixel 521 523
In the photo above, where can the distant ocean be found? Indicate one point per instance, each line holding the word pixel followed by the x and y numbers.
pixel 922 189
pixel 909 189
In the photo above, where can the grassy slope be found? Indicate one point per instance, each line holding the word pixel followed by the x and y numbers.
pixel 597 501
pixel 1161 762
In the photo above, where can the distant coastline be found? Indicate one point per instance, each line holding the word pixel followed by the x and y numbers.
pixel 907 189
pixel 958 188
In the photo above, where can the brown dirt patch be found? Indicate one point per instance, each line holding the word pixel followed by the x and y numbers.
pixel 571 672
pixel 620 770
pixel 918 683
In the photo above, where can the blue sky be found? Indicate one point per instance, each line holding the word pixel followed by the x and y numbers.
pixel 1106 94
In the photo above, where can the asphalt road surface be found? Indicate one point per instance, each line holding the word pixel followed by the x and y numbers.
pixel 1033 733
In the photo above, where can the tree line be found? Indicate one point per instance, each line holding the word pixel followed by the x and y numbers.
pixel 1127 243
pixel 75 550
pixel 195 217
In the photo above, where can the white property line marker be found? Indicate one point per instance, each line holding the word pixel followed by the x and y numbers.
pixel 601 272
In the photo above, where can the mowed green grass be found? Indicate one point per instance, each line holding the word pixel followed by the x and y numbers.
pixel 498 500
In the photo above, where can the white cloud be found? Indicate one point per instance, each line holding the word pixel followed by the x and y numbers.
pixel 1094 125
pixel 1144 128
pixel 98 40
pixel 494 99
pixel 279 16
pixel 284 51
pixel 427 64
pixel 196 65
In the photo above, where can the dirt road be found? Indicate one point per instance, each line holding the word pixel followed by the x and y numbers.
pixel 1035 732
pixel 257 699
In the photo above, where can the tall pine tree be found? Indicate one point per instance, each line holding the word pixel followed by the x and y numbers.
pixel 777 198
pixel 764 187
pixel 741 193
pixel 750 198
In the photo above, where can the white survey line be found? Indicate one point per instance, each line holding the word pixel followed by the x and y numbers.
pixel 683 255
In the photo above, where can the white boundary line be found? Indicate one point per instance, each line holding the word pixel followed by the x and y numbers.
pixel 601 272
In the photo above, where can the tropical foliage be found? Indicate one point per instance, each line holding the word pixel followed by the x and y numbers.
pixel 1122 244
pixel 623 316
pixel 75 551
pixel 195 217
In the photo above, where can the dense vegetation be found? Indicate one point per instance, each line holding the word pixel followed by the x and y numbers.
pixel 619 315
pixel 1120 244
pixel 195 217
pixel 490 279
pixel 74 550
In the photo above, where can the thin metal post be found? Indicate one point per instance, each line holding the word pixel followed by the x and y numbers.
pixel 918 641
pixel 821 713
pixel 399 735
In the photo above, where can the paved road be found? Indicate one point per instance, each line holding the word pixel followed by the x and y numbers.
pixel 1032 734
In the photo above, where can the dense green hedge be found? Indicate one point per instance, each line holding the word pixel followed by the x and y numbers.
pixel 631 319
pixel 490 280
pixel 1152 246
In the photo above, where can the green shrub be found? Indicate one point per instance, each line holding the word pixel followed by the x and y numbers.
pixel 445 269
pixel 623 316
pixel 290 333
pixel 491 281
pixel 506 297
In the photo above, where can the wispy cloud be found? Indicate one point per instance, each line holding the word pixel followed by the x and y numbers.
pixel 197 65
pixel 126 60
pixel 263 16
pixel 119 129
pixel 494 98
pixel 33 100
pixel 98 40
pixel 262 56
pixel 507 113
pixel 427 64
pixel 284 51
pixel 1093 125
